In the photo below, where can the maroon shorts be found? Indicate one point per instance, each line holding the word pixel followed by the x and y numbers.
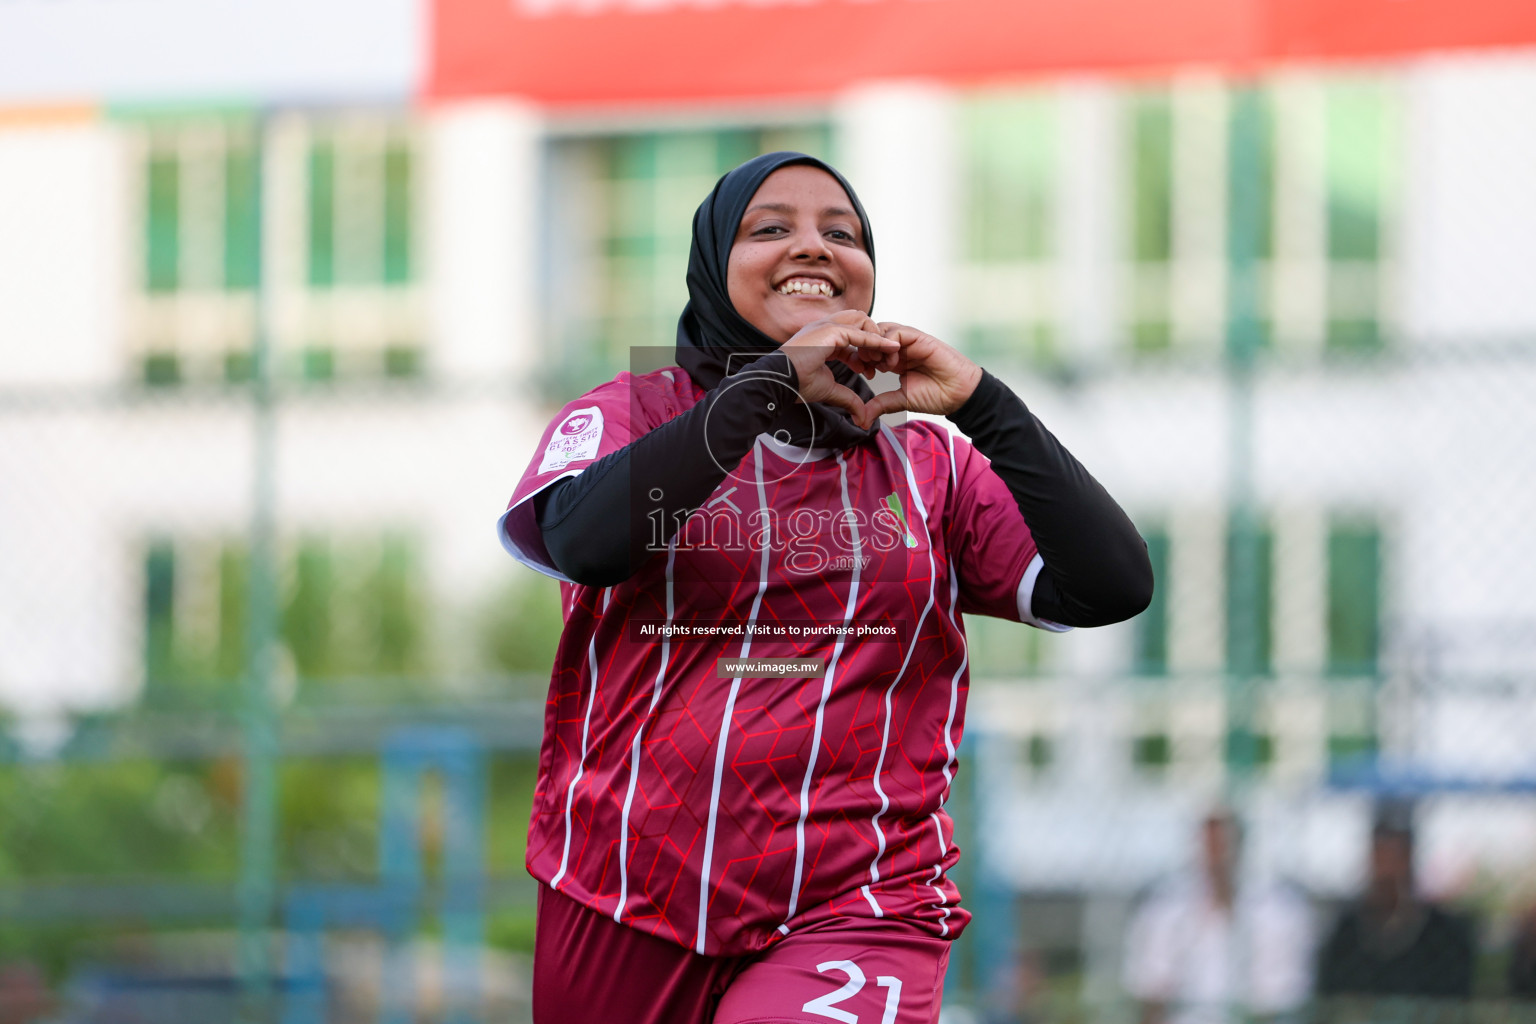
pixel 587 969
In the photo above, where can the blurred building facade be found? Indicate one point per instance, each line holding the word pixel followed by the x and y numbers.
pixel 434 278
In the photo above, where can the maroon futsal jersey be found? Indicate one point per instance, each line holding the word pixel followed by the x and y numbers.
pixel 721 810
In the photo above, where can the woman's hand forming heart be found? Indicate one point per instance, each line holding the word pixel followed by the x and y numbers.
pixel 935 377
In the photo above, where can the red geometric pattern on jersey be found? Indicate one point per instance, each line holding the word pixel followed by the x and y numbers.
pixel 631 770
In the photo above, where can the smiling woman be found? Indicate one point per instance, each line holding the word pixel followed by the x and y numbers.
pixel 799 254
pixel 735 847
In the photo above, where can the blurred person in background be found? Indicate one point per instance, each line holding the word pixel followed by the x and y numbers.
pixel 1392 942
pixel 730 849
pixel 1207 946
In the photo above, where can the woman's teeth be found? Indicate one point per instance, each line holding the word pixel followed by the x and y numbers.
pixel 805 286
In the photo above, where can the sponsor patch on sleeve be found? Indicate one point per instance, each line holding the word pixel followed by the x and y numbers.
pixel 576 438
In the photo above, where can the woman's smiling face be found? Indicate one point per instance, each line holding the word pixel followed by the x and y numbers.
pixel 799 254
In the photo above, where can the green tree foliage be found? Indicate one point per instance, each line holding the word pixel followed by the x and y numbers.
pixel 114 820
pixel 511 801
pixel 520 627
pixel 351 608
pixel 75 825
pixel 353 627
pixel 328 819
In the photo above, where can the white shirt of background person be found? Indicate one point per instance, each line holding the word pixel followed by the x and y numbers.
pixel 1205 948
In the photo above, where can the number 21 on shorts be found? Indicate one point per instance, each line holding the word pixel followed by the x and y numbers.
pixel 826 1006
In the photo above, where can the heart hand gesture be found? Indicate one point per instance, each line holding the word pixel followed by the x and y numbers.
pixel 935 377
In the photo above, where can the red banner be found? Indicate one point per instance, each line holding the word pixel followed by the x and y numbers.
pixel 1387 28
pixel 604 52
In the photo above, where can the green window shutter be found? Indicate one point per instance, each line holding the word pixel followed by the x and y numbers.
pixel 1151 177
pixel 1010 149
pixel 1152 334
pixel 1009 173
pixel 1356 148
pixel 1250 213
pixel 1250 587
pixel 239 366
pixel 399 172
pixel 1150 657
pixel 1035 341
pixel 634 157
pixel 162 222
pixel 322 214
pixel 1149 204
pixel 1151 752
pixel 161 369
pixel 1360 143
pixel 630 246
pixel 402 361
pixel 1354 333
pixel 1354 598
pixel 1253 181
pixel 1351 748
pixel 734 147
pixel 241 212
pixel 1247 748
pixel 318 362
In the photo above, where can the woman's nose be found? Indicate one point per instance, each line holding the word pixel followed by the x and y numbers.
pixel 811 245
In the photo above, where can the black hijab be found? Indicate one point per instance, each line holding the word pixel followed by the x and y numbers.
pixel 714 340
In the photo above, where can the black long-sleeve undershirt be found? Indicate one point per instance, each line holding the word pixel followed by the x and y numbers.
pixel 1096 566
pixel 598 529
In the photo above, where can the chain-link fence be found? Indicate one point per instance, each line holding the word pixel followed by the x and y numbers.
pixel 313 762
pixel 1371 773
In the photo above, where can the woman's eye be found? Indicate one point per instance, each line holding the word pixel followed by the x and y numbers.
pixel 769 229
pixel 841 235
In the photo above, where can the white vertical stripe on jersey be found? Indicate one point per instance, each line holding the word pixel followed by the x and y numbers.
pixel 949 743
pixel 965 647
pixel 954 703
pixel 885 734
pixel 634 754
pixel 826 691
pixel 938 869
pixel 586 731
pixel 730 710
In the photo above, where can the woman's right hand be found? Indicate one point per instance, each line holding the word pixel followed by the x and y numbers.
pixel 849 337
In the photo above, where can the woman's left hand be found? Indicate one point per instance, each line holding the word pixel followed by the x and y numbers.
pixel 935 377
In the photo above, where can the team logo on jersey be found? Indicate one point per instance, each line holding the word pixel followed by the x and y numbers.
pixel 575 439
pixel 893 502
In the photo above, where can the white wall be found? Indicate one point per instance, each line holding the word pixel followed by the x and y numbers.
pixel 61 229
pixel 156 50
pixel 897 146
pixel 60 300
pixel 1470 238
